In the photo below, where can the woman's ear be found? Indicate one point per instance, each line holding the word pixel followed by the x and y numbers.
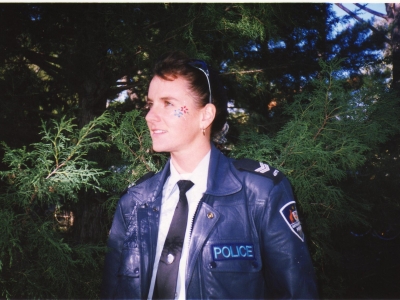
pixel 208 115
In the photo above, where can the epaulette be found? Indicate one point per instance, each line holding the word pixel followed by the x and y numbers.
pixel 140 180
pixel 259 168
pixel 145 177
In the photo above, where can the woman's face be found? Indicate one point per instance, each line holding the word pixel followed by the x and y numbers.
pixel 174 120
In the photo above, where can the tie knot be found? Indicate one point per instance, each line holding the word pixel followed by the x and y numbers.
pixel 184 186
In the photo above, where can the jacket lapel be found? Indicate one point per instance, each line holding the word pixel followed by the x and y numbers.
pixel 221 182
pixel 205 221
pixel 148 219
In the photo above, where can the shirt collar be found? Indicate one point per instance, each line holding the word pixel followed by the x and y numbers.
pixel 198 176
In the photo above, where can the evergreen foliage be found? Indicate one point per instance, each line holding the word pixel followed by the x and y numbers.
pixel 331 133
pixel 132 155
pixel 39 258
pixel 65 59
pixel 36 258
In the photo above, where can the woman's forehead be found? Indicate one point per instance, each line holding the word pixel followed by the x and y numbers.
pixel 162 88
pixel 169 80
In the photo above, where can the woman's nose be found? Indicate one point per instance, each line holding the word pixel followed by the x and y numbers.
pixel 152 115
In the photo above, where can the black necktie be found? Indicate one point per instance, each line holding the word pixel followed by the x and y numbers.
pixel 167 273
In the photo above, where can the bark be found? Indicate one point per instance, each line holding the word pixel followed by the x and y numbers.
pixel 92 101
pixel 393 12
pixel 89 212
pixel 90 219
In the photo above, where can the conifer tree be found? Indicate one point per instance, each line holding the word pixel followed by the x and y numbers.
pixel 39 256
pixel 131 155
pixel 331 133
pixel 37 260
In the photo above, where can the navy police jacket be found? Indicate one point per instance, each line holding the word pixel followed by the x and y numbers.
pixel 246 240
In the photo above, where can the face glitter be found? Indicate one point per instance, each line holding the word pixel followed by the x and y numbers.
pixel 180 112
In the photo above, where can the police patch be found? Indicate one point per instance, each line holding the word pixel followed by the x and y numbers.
pixel 233 251
pixel 289 214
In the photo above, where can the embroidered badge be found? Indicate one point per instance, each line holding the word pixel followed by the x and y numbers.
pixel 259 168
pixel 232 251
pixel 263 168
pixel 289 214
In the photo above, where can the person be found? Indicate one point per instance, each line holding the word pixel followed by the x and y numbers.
pixel 241 237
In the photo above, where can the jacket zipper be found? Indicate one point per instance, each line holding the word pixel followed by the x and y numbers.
pixel 194 217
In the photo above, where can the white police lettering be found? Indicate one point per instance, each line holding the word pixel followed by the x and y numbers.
pixel 232 251
pixel 263 168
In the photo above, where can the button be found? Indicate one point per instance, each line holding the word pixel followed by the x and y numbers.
pixel 210 215
pixel 136 271
pixel 155 208
pixel 170 258
pixel 212 265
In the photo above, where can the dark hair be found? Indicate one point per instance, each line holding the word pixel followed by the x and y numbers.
pixel 173 64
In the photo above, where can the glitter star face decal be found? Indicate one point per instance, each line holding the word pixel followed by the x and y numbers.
pixel 180 112
pixel 184 109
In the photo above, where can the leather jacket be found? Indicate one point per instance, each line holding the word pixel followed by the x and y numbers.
pixel 246 240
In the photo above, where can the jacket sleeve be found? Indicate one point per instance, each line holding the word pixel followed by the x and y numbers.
pixel 288 269
pixel 113 256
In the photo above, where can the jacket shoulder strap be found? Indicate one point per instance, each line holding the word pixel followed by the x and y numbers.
pixel 145 177
pixel 259 168
pixel 140 180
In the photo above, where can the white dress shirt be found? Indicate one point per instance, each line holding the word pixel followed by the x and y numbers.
pixel 170 198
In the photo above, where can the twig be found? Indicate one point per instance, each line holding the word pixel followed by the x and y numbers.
pixel 362 21
pixel 363 7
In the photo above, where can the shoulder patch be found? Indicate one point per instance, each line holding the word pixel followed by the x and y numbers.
pixel 260 168
pixel 289 214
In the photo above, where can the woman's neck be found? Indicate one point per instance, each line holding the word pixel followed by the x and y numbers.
pixel 187 162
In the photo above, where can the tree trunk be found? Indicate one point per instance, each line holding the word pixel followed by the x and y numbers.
pixel 93 98
pixel 393 12
pixel 90 220
pixel 89 214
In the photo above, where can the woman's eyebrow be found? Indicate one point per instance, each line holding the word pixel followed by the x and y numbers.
pixel 168 98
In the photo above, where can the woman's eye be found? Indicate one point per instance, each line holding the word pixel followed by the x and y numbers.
pixel 167 103
pixel 148 106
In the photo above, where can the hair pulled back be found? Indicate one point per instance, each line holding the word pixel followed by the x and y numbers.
pixel 174 64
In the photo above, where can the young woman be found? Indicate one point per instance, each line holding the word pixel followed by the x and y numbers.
pixel 239 233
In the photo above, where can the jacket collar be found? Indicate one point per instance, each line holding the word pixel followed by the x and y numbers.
pixel 221 180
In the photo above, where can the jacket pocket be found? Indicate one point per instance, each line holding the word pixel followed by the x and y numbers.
pixel 232 256
pixel 130 263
